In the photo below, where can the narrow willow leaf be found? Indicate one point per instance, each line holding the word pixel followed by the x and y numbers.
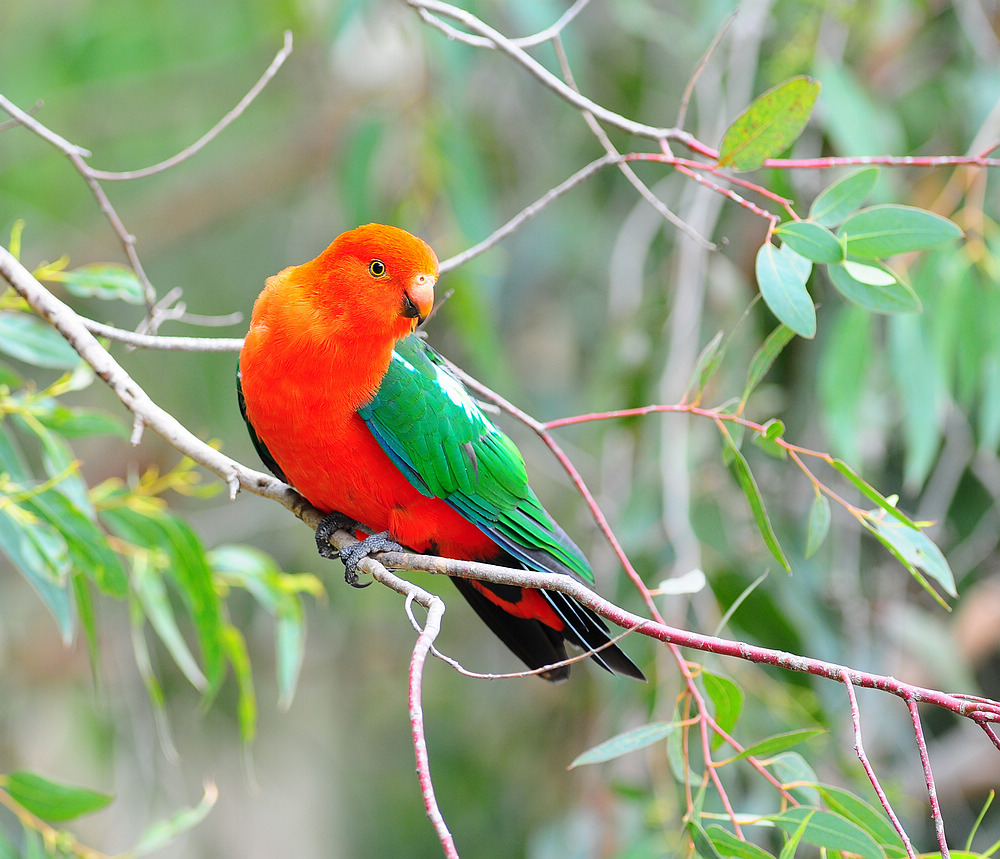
pixel 161 833
pixel 819 523
pixel 783 287
pixel 764 358
pixel 235 646
pixel 845 195
pixel 727 698
pixel 873 820
pixel 798 777
pixel 791 846
pixel 873 288
pixel 728 844
pixel 705 367
pixel 32 341
pixel 871 493
pixel 108 281
pixel 883 231
pixel 629 741
pixel 811 240
pixel 778 743
pixel 917 549
pixel 771 124
pixel 828 830
pixel 51 800
pixel 747 483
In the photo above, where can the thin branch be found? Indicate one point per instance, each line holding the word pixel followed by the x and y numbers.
pixel 212 133
pixel 859 748
pixel 925 761
pixel 158 341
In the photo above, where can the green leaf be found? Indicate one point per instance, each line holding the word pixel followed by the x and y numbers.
pixel 703 845
pixel 915 549
pixel 828 830
pixel 32 341
pixel 811 240
pixel 728 844
pixel 50 800
pixel 109 281
pixel 791 846
pixel 873 820
pixel 782 284
pixel 796 775
pixel 841 198
pixel 764 358
pixel 778 743
pixel 81 422
pixel 871 493
pixel 873 288
pixel 629 741
pixel 236 650
pixel 883 231
pixel 768 440
pixel 727 698
pixel 706 365
pixel 747 483
pixel 161 833
pixel 771 124
pixel 819 523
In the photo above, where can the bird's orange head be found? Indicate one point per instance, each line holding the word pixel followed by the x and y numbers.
pixel 379 278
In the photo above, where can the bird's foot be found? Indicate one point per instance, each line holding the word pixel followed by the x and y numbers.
pixel 353 555
pixel 325 530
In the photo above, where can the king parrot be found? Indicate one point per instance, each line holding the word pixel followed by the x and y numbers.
pixel 345 403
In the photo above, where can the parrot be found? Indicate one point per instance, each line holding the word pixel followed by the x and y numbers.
pixel 348 404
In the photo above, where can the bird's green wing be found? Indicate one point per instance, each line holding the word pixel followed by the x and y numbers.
pixel 437 435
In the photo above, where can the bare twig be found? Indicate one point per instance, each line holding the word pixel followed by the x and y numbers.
pixel 925 762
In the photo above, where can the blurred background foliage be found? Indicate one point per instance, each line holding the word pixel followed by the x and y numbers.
pixel 594 305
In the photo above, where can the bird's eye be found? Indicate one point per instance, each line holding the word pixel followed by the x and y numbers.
pixel 376 268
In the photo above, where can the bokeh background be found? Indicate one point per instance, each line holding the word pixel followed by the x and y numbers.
pixel 595 304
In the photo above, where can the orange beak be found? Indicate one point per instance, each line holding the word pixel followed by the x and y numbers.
pixel 419 297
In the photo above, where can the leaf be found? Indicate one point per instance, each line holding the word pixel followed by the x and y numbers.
pixel 109 281
pixel 32 341
pixel 622 744
pixel 811 240
pixel 81 422
pixel 791 846
pixel 771 124
pixel 767 441
pixel 916 550
pixel 796 775
pixel 727 698
pixel 886 230
pixel 778 743
pixel 161 833
pixel 873 288
pixel 873 820
pixel 819 523
pixel 235 646
pixel 727 844
pixel 705 367
pixel 703 846
pixel 51 800
pixel 782 284
pixel 828 830
pixel 764 358
pixel 747 483
pixel 871 493
pixel 841 198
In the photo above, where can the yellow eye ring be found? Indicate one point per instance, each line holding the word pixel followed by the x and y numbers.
pixel 376 268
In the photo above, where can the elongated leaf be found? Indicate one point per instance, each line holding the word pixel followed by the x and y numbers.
pixel 161 833
pixel 771 124
pixel 629 741
pixel 703 846
pixel 791 846
pixel 727 698
pixel 782 284
pixel 28 339
pixel 235 646
pixel 825 829
pixel 873 288
pixel 873 820
pixel 798 777
pixel 748 484
pixel 728 844
pixel 819 523
pixel 811 240
pixel 871 493
pixel 778 743
pixel 764 358
pixel 917 550
pixel 767 441
pixel 708 362
pixel 102 280
pixel 51 800
pixel 883 231
pixel 840 199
